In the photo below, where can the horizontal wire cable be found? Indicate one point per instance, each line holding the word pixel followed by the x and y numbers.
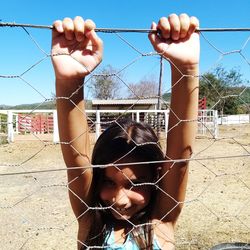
pixel 120 30
pixel 123 164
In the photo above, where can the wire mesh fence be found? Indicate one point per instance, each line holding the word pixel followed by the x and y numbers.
pixel 34 204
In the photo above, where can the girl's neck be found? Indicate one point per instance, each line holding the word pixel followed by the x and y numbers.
pixel 122 224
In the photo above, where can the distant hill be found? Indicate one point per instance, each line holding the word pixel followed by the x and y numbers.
pixel 166 96
pixel 4 107
pixel 33 106
pixel 45 105
pixel 52 104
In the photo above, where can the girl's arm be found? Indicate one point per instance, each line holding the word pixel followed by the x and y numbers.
pixel 76 51
pixel 179 44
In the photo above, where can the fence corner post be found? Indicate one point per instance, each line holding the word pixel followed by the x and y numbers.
pixel 55 128
pixel 10 126
pixel 216 121
pixel 137 116
pixel 97 125
pixel 166 117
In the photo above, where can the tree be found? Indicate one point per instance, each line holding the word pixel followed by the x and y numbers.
pixel 147 87
pixel 223 90
pixel 106 84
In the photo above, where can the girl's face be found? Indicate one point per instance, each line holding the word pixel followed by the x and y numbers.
pixel 122 191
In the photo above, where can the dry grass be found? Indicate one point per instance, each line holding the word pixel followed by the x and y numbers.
pixel 36 214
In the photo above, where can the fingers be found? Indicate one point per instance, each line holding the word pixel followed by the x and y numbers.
pixel 177 27
pixel 58 26
pixel 194 24
pixel 79 28
pixel 97 44
pixel 68 27
pixel 153 37
pixel 185 25
pixel 164 26
pixel 74 29
pixel 89 24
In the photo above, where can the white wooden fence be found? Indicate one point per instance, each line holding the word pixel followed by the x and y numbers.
pixel 207 120
pixel 234 119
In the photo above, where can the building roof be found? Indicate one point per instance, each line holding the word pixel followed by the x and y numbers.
pixel 125 101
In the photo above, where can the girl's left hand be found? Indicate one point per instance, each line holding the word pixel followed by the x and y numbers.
pixel 177 40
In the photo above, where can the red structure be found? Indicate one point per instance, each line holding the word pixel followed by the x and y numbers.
pixel 203 103
pixel 35 123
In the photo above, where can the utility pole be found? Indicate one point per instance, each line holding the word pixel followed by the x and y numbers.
pixel 159 97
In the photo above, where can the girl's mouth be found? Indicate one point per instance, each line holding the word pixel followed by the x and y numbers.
pixel 121 209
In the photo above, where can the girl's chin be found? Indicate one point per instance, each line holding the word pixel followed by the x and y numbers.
pixel 121 216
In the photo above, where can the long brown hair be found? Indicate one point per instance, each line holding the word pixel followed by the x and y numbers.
pixel 123 138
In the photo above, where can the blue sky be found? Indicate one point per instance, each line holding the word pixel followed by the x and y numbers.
pixel 18 52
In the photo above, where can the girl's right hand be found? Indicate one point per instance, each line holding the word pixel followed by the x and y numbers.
pixel 76 48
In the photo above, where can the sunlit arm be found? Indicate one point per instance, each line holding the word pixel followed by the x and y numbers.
pixel 74 137
pixel 181 135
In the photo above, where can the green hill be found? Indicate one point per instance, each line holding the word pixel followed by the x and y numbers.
pixel 44 105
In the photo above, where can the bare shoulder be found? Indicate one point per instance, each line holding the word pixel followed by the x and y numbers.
pixel 164 232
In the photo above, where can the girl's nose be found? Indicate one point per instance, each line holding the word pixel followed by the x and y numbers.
pixel 121 198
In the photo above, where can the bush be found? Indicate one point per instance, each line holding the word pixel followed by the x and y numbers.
pixel 3 139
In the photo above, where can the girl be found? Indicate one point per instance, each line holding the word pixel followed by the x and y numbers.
pixel 131 195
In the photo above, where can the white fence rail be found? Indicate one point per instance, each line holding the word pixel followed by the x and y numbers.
pixel 158 119
pixel 234 119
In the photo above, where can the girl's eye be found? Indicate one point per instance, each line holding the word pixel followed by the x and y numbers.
pixel 108 183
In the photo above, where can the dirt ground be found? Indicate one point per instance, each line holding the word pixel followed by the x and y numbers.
pixel 36 214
